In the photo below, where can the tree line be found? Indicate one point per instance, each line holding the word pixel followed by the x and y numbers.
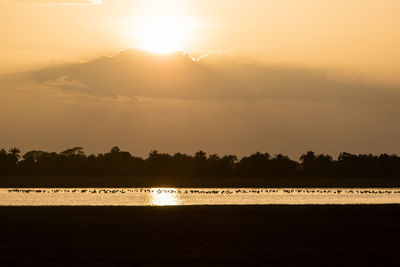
pixel 74 162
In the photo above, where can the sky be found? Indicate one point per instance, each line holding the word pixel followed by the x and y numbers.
pixel 357 35
pixel 280 76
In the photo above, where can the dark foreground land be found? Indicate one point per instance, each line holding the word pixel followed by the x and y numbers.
pixel 203 235
pixel 201 182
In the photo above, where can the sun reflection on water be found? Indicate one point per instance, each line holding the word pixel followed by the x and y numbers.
pixel 164 197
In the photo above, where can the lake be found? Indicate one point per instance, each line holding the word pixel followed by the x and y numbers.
pixel 196 196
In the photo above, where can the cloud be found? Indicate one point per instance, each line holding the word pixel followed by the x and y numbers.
pixel 215 77
pixel 62 2
pixel 172 103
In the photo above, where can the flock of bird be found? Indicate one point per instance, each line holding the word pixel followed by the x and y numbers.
pixel 213 191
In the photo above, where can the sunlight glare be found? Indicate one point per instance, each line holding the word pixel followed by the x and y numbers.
pixel 161 34
pixel 164 197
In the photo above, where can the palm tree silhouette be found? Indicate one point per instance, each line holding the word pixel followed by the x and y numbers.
pixel 15 152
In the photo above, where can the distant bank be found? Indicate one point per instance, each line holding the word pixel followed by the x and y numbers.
pixel 74 162
pixel 198 182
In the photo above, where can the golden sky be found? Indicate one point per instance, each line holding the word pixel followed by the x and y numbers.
pixel 352 35
pixel 291 75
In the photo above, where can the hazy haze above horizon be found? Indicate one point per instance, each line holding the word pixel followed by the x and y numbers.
pixel 289 75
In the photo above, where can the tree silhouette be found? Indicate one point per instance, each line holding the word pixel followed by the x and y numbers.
pixel 15 153
pixel 316 165
pixel 73 161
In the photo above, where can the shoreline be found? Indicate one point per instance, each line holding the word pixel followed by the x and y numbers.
pixel 195 182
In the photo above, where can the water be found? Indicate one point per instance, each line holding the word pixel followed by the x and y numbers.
pixel 196 196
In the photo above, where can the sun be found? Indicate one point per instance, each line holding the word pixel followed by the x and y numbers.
pixel 161 34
